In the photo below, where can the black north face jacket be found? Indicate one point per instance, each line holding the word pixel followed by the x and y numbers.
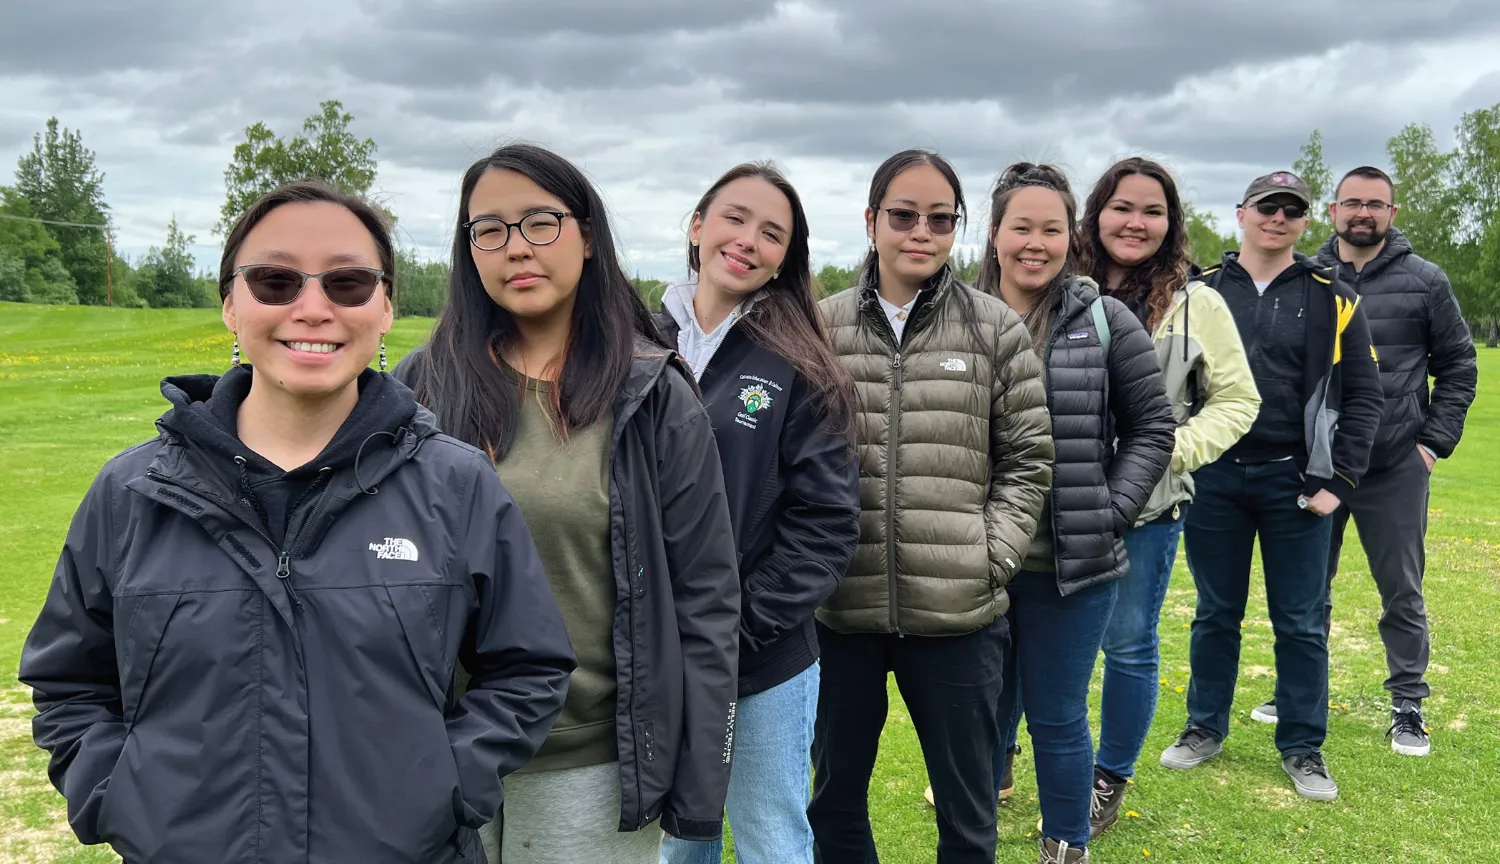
pixel 208 694
pixel 677 589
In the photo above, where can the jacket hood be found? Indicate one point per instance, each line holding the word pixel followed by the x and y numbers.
pixel 648 362
pixel 205 408
pixel 1396 247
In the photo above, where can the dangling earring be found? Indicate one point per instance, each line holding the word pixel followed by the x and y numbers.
pixel 234 356
pixel 382 352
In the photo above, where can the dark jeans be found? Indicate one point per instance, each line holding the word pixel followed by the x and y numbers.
pixel 1132 656
pixel 1056 643
pixel 1235 504
pixel 949 685
pixel 1390 513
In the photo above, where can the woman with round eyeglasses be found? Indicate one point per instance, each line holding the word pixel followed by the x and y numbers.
pixel 955 449
pixel 547 359
pixel 247 648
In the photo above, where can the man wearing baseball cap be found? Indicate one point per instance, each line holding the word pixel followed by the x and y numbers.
pixel 1309 349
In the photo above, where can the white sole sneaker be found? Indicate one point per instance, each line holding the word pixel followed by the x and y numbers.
pixel 1260 716
pixel 1406 750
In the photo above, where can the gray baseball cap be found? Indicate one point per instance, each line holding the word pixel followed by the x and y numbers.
pixel 1277 183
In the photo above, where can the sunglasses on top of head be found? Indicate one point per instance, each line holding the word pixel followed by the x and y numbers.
pixel 1292 211
pixel 278 285
pixel 905 219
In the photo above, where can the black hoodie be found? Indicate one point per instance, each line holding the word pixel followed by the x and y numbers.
pixel 206 412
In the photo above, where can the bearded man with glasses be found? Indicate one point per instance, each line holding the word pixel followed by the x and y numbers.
pixel 1418 331
pixel 1309 349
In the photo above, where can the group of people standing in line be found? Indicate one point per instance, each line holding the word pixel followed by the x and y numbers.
pixel 547 591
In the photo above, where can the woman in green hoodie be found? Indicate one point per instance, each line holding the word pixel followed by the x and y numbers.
pixel 1135 245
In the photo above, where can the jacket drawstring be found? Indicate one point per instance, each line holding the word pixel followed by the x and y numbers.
pixel 248 498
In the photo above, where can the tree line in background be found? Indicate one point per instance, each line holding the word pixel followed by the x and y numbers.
pixel 55 240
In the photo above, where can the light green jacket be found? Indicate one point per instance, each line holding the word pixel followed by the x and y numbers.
pixel 1210 386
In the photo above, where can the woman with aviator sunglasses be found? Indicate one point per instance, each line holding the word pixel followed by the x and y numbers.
pixel 955 450
pixel 246 650
pixel 547 359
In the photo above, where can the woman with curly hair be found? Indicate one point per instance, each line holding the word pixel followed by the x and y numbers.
pixel 1135 246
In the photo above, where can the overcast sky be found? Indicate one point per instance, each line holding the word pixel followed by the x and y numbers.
pixel 655 98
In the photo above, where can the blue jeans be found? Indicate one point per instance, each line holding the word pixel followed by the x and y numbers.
pixel 1056 641
pixel 770 780
pixel 1236 503
pixel 1132 660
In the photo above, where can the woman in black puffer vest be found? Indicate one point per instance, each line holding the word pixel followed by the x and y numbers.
pixel 1114 433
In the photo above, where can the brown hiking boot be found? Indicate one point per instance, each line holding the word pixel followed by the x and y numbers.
pixel 1104 809
pixel 1008 778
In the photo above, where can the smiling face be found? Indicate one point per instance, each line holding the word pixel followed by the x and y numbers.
pixel 310 348
pixel 1031 241
pixel 1358 225
pixel 1135 221
pixel 912 256
pixel 1273 233
pixel 527 280
pixel 742 237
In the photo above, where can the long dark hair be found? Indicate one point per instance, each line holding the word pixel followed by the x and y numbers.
pixel 1038 318
pixel 465 383
pixel 879 185
pixel 785 320
pixel 308 192
pixel 1154 280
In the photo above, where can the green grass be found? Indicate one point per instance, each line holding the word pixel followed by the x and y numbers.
pixel 78 385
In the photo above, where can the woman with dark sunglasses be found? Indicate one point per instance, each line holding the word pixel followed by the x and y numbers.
pixel 955 451
pixel 1113 431
pixel 547 359
pixel 247 649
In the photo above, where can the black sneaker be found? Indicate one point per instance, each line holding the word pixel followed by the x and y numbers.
pixel 1265 713
pixel 1408 733
pixel 1194 747
pixel 1104 809
pixel 1310 775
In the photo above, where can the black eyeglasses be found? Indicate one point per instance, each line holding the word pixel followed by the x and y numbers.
pixel 1353 205
pixel 278 285
pixel 903 219
pixel 541 228
pixel 1292 211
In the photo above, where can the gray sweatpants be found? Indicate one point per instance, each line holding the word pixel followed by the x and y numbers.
pixel 1390 513
pixel 569 816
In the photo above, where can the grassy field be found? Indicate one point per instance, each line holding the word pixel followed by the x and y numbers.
pixel 79 385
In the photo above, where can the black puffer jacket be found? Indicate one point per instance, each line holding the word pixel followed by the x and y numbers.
pixel 1114 432
pixel 1417 330
pixel 210 694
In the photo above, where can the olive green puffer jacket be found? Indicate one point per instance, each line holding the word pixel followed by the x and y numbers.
pixel 955 450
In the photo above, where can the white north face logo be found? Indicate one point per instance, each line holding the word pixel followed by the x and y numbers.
pixel 395 549
pixel 953 364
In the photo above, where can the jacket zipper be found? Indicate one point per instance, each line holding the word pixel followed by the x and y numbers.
pixel 890 491
pixel 283 556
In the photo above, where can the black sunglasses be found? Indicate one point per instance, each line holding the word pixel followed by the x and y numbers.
pixel 903 219
pixel 1292 211
pixel 278 285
